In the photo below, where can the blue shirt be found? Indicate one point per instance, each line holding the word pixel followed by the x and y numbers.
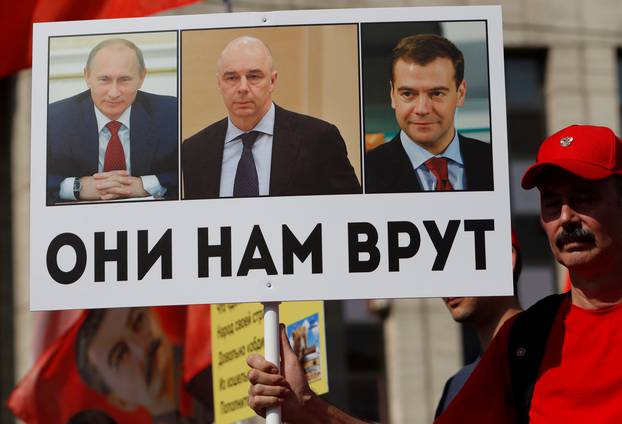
pixel 262 154
pixel 418 155
pixel 454 385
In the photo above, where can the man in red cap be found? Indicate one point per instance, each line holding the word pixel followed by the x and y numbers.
pixel 559 361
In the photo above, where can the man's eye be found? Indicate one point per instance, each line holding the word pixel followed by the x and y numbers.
pixel 231 78
pixel 120 353
pixel 583 199
pixel 437 94
pixel 407 94
pixel 585 196
pixel 138 322
pixel 551 204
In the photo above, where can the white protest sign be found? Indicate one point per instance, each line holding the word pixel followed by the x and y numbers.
pixel 306 239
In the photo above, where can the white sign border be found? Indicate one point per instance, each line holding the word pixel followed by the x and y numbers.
pixel 186 288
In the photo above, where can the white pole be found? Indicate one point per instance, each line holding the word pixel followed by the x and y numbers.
pixel 271 349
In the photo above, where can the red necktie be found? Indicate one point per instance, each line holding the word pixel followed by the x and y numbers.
pixel 438 167
pixel 115 158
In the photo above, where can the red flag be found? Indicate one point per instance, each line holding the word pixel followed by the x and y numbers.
pixel 17 19
pixel 190 326
pixel 198 344
pixel 49 326
pixel 173 321
pixel 54 390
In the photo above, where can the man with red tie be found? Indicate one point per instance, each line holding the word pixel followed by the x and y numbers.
pixel 112 141
pixel 428 154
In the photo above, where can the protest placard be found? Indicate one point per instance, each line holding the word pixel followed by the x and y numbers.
pixel 330 218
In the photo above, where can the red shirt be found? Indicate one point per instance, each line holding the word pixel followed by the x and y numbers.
pixel 580 378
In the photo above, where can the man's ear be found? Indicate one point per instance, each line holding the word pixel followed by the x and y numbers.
pixel 86 77
pixel 121 404
pixel 273 77
pixel 142 78
pixel 462 89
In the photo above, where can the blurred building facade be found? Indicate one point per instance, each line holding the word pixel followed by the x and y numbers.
pixel 388 360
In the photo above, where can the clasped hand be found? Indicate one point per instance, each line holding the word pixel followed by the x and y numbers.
pixel 111 185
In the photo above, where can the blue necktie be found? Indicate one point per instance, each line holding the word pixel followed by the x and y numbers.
pixel 246 183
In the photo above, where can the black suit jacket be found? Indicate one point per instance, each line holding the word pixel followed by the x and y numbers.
pixel 308 157
pixel 388 169
pixel 73 140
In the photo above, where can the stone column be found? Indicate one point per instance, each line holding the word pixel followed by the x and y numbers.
pixel 422 348
pixel 20 192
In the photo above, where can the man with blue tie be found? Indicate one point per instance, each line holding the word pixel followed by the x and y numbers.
pixel 112 141
pixel 428 154
pixel 261 149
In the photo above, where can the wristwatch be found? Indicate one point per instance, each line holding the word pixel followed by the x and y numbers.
pixel 76 188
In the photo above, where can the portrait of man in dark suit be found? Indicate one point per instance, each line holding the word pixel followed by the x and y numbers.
pixel 260 148
pixel 112 141
pixel 428 154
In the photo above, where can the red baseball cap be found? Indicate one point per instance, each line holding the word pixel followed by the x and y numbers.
pixel 587 151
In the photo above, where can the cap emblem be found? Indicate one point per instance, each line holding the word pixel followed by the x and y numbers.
pixel 566 141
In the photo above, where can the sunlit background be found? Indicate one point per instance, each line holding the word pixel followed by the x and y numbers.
pixel 387 360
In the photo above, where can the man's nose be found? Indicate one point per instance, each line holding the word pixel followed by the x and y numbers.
pixel 113 91
pixel 422 105
pixel 139 345
pixel 243 84
pixel 567 215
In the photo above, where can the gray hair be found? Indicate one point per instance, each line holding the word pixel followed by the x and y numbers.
pixel 111 42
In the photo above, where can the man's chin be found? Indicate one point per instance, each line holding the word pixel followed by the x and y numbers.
pixel 572 258
pixel 113 112
pixel 460 316
pixel 161 404
pixel 244 107
pixel 427 136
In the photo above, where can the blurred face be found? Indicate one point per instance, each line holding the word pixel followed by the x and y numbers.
pixel 135 359
pixel 114 78
pixel 246 81
pixel 425 98
pixel 474 309
pixel 582 220
pixel 462 309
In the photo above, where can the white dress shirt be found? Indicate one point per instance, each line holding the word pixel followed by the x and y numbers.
pixel 418 156
pixel 262 154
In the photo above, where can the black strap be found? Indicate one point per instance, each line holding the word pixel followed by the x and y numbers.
pixel 526 347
